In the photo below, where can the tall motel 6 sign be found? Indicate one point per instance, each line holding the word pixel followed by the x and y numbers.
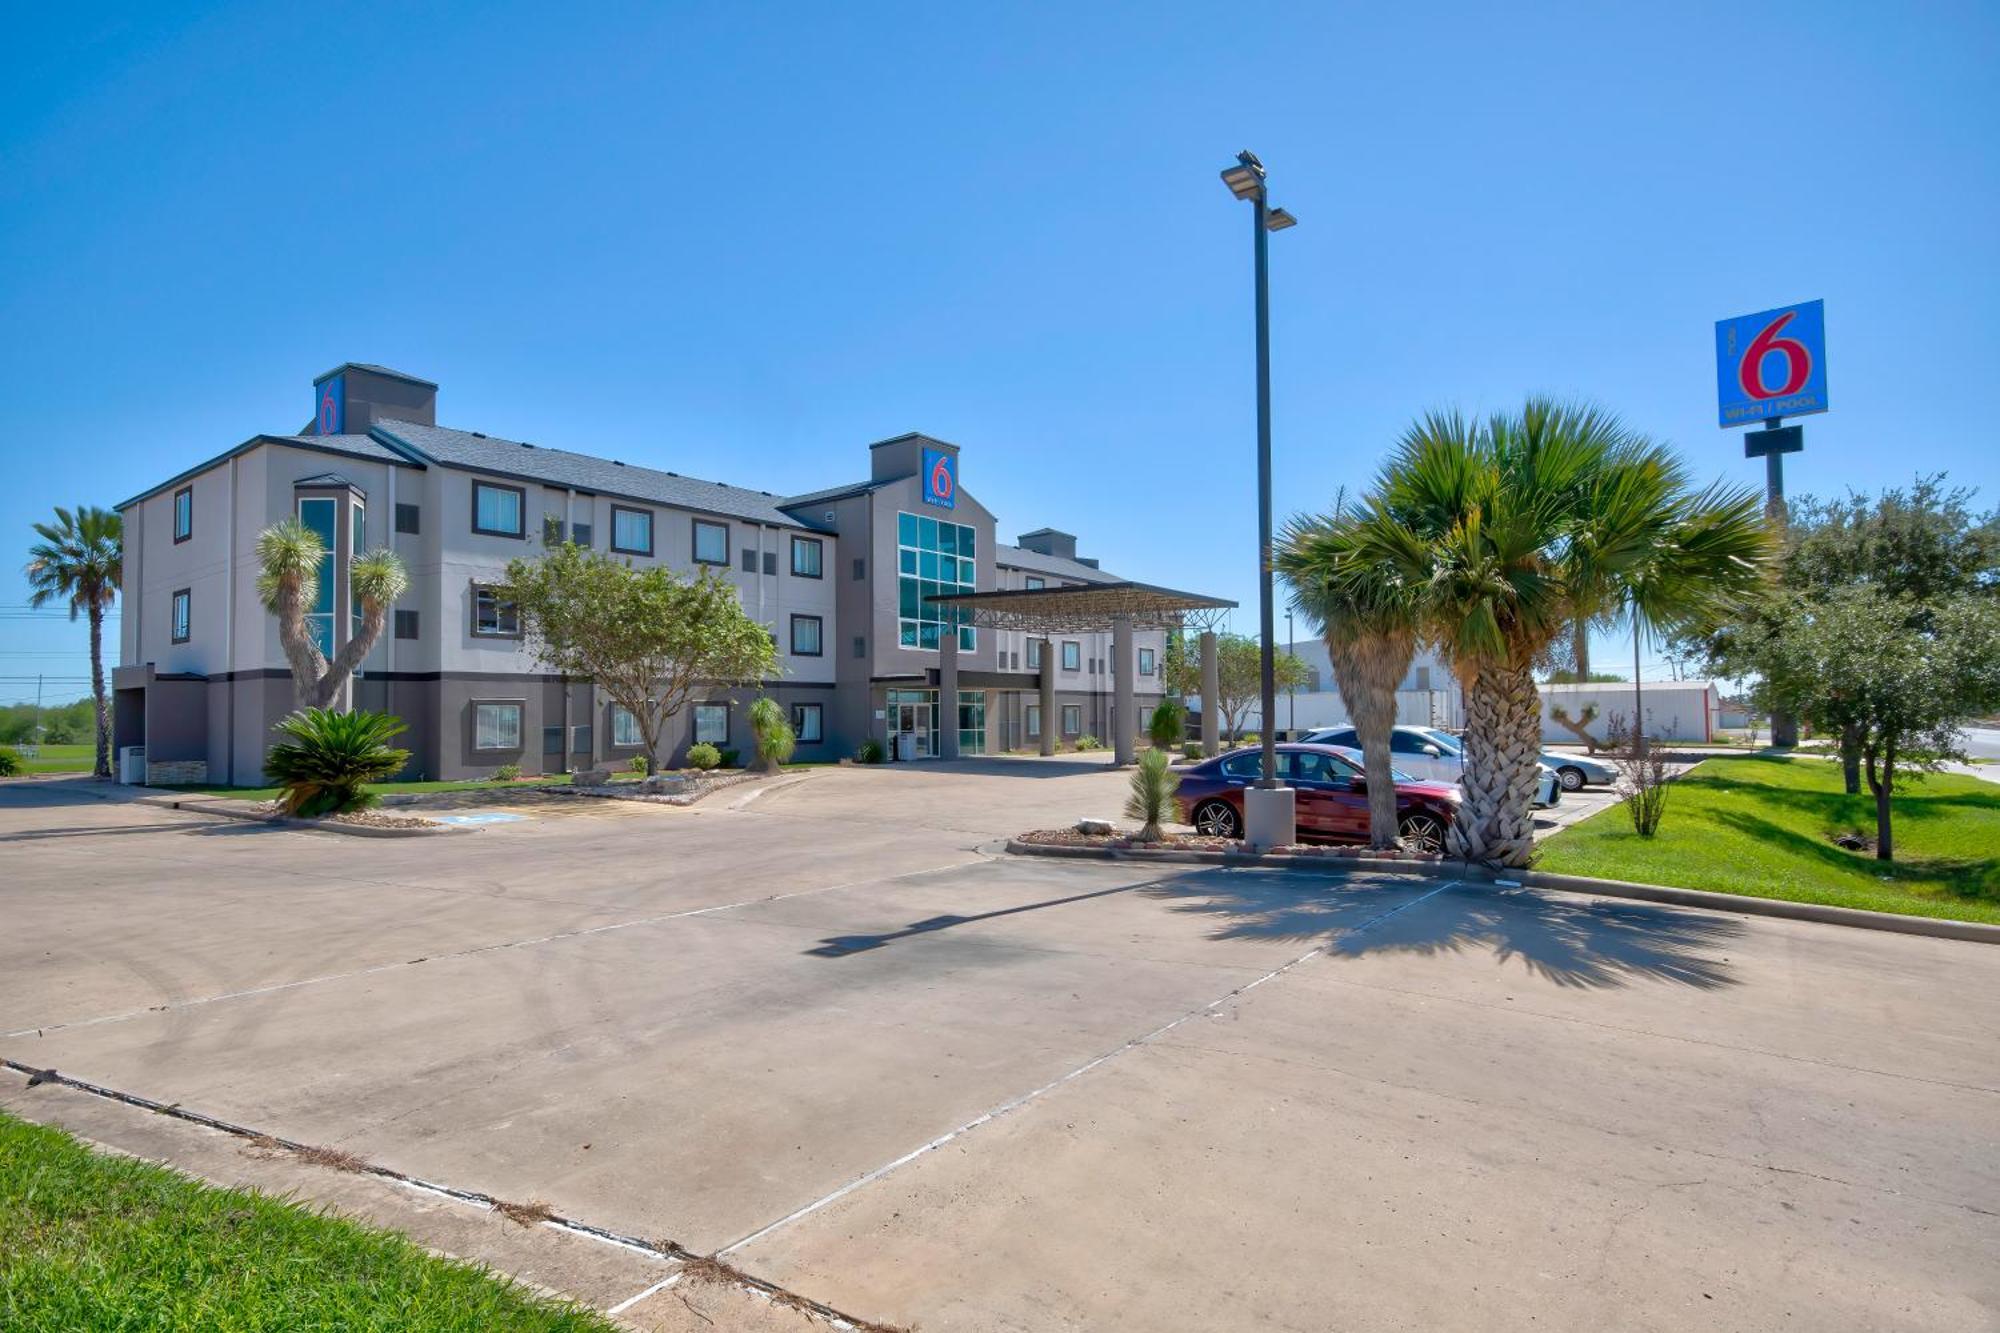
pixel 941 478
pixel 1771 364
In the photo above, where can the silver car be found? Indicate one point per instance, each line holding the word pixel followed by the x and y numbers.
pixel 1575 771
pixel 1433 755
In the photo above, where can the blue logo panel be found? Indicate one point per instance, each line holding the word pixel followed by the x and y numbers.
pixel 940 478
pixel 330 412
pixel 1771 364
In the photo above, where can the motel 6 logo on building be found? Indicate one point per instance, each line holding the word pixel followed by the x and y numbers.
pixel 1771 364
pixel 941 478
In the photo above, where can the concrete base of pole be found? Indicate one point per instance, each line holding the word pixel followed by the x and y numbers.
pixel 1270 817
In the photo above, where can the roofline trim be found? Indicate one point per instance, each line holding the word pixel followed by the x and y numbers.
pixel 373 370
pixel 287 441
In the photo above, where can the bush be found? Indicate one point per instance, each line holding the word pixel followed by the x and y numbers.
pixel 775 739
pixel 1642 780
pixel 637 763
pixel 730 758
pixel 10 761
pixel 869 753
pixel 1088 742
pixel 327 757
pixel 507 773
pixel 1164 727
pixel 1152 798
pixel 703 756
pixel 1252 739
pixel 1192 750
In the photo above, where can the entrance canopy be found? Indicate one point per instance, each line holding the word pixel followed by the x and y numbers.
pixel 1085 608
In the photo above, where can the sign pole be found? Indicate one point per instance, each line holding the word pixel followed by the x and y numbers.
pixel 1773 443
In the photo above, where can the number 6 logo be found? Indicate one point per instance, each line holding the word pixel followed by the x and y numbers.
pixel 1798 361
pixel 941 477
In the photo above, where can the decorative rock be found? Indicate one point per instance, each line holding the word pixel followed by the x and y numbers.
pixel 1095 827
pixel 590 777
pixel 665 784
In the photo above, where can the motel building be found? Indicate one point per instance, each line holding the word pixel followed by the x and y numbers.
pixel 843 576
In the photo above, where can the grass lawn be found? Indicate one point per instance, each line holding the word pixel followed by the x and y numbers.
pixel 90 1241
pixel 1760 826
pixel 61 759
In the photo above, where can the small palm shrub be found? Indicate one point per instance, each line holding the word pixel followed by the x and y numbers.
pixel 637 763
pixel 1154 783
pixel 1088 742
pixel 775 738
pixel 870 752
pixel 1164 726
pixel 10 761
pixel 703 756
pixel 1192 750
pixel 327 757
pixel 507 773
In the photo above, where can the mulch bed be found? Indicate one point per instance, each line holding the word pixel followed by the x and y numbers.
pixel 1196 842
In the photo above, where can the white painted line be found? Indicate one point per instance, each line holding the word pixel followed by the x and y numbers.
pixel 653 1290
pixel 1016 1103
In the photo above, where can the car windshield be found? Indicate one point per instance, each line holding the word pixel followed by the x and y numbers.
pixel 1353 756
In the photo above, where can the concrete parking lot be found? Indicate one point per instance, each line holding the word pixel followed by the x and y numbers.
pixel 819 1027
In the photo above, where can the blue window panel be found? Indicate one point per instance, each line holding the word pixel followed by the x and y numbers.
pixel 907 634
pixel 906 561
pixel 927 533
pixel 906 529
pixel 927 636
pixel 965 640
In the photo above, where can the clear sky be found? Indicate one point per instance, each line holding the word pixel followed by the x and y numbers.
pixel 741 241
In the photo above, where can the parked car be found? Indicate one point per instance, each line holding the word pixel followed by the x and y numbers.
pixel 1573 771
pixel 1426 752
pixel 1332 799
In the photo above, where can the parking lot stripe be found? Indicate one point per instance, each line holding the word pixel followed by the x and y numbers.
pixel 1015 1103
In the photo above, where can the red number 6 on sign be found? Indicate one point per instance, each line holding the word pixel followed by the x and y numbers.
pixel 1798 361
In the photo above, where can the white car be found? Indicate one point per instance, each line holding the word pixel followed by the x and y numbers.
pixel 1426 752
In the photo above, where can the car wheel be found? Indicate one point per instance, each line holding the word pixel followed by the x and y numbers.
pixel 1422 833
pixel 1217 819
pixel 1572 778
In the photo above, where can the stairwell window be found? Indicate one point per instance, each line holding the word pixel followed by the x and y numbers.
pixel 183 514
pixel 183 626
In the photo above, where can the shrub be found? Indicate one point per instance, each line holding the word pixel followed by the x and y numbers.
pixel 704 756
pixel 1088 742
pixel 870 752
pixel 637 763
pixel 1152 800
pixel 730 758
pixel 326 757
pixel 1642 781
pixel 1164 727
pixel 1192 750
pixel 775 738
pixel 10 761
pixel 1252 739
pixel 507 773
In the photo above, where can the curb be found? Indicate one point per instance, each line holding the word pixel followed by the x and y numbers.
pixel 1976 932
pixel 200 806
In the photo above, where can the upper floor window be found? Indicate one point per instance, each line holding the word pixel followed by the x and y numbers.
pixel 499 511
pixel 806 636
pixel 711 543
pixel 631 530
pixel 1032 582
pixel 321 514
pixel 1072 655
pixel 183 624
pixel 183 513
pixel 1147 661
pixel 934 558
pixel 493 617
pixel 807 552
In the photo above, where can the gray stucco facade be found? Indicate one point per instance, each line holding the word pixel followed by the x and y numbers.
pixel 202 679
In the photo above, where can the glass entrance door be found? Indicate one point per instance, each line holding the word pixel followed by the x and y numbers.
pixel 914 713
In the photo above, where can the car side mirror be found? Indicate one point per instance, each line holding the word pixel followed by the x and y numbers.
pixel 1433 751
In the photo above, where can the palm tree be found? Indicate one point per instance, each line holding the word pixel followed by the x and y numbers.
pixel 1369 621
pixel 80 560
pixel 289 555
pixel 1514 528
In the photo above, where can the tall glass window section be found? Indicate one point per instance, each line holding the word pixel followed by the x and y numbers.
pixel 320 515
pixel 933 558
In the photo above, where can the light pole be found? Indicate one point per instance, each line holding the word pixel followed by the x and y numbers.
pixel 1269 814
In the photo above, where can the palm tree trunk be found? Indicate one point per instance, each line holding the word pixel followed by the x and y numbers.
pixel 301 652
pixel 103 768
pixel 1503 736
pixel 1367 667
pixel 1579 648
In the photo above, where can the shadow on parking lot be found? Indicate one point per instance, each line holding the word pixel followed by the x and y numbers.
pixel 839 946
pixel 1589 945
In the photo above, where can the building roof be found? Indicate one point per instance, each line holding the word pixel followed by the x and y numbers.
pixel 343 446
pixel 1087 608
pixel 848 491
pixel 1020 557
pixel 473 452
pixel 374 370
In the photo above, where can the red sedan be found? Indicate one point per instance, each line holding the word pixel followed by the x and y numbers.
pixel 1332 796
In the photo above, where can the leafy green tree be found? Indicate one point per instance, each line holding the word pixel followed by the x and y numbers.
pixel 775 738
pixel 79 561
pixel 1369 620
pixel 1163 728
pixel 326 757
pixel 1897 675
pixel 1510 529
pixel 648 636
pixel 1151 800
pixel 1239 682
pixel 289 555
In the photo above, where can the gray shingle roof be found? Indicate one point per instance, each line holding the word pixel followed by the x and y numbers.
pixel 839 492
pixel 347 446
pixel 473 452
pixel 1017 557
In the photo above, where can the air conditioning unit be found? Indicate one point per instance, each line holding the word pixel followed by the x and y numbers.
pixel 132 765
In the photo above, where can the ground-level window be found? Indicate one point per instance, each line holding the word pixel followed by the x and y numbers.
pixel 183 513
pixel 1072 719
pixel 1034 719
pixel 1072 658
pixel 807 722
pixel 711 543
pixel 1146 661
pixel 496 726
pixel 711 724
pixel 499 511
pixel 493 616
pixel 183 615
pixel 972 722
pixel 625 727
pixel 805 636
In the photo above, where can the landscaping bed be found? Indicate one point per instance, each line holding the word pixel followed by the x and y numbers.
pixel 1128 841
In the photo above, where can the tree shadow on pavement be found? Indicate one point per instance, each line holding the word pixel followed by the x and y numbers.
pixel 1585 944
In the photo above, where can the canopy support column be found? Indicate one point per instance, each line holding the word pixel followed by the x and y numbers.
pixel 947 722
pixel 1124 661
pixel 1049 718
pixel 1211 693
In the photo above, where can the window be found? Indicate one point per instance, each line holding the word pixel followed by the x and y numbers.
pixel 771 563
pixel 711 724
pixel 860 569
pixel 406 624
pixel 499 511
pixel 580 534
pixel 552 740
pixel 805 636
pixel 493 617
pixel 749 561
pixel 807 555
pixel 625 727
pixel 1032 582
pixel 496 726
pixel 408 519
pixel 972 721
pixel 1034 654
pixel 807 723
pixel 1072 719
pixel 934 558
pixel 1034 717
pixel 1423 678
pixel 1405 742
pixel 1072 658
pixel 1146 662
pixel 631 530
pixel 183 615
pixel 183 514
pixel 320 514
pixel 711 543
pixel 861 645
pixel 552 530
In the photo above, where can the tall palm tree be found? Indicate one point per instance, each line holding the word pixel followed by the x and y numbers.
pixel 80 560
pixel 288 556
pixel 1516 527
pixel 1369 621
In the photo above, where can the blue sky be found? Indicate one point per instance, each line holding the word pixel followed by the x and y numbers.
pixel 742 241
